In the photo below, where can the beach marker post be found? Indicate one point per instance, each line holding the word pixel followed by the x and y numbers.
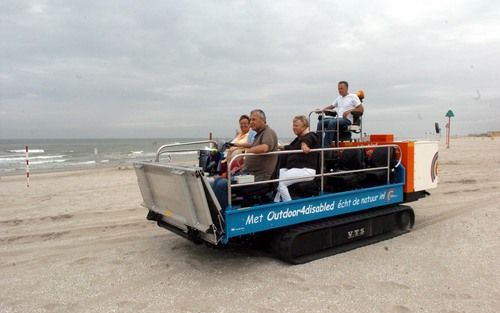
pixel 27 168
pixel 449 115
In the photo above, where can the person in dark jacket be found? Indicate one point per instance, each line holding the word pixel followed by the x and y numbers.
pixel 300 165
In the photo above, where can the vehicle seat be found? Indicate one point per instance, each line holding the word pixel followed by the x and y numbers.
pixel 209 160
pixel 257 194
pixel 379 159
pixel 307 188
pixel 345 132
pixel 349 159
pixel 356 126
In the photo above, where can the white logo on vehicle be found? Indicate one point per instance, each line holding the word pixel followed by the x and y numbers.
pixel 355 233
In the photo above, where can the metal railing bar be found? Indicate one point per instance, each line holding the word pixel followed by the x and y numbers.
pixel 322 175
pixel 160 149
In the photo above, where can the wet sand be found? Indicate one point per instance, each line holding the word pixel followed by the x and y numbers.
pixel 79 242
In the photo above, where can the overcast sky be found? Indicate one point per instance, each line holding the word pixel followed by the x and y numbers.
pixel 184 68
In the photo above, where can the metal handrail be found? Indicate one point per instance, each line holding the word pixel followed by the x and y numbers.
pixel 323 116
pixel 162 148
pixel 322 174
pixel 321 113
pixel 316 175
pixel 323 134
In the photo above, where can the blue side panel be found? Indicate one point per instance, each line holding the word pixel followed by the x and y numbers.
pixel 275 215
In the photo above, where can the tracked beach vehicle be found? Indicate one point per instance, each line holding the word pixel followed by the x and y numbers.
pixel 358 197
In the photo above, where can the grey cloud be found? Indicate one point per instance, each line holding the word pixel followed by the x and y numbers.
pixel 181 68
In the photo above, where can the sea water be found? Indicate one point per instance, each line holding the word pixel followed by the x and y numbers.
pixel 67 154
pixel 45 155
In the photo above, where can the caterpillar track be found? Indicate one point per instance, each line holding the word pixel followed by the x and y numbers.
pixel 311 241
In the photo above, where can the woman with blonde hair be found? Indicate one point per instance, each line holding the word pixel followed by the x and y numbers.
pixel 244 136
pixel 243 139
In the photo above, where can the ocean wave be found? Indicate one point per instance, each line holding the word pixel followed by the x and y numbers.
pixel 21 158
pixel 82 163
pixel 29 150
pixel 6 170
pixel 81 153
pixel 6 156
pixel 47 161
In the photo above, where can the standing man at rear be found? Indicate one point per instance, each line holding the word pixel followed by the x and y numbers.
pixel 344 104
pixel 262 167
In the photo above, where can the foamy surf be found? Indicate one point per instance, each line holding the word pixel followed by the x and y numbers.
pixel 29 150
pixel 21 159
pixel 47 161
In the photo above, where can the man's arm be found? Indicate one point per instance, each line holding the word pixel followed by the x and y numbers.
pixel 328 107
pixel 243 145
pixel 359 108
pixel 262 148
pixel 268 142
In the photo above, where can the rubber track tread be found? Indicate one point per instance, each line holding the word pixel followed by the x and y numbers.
pixel 285 240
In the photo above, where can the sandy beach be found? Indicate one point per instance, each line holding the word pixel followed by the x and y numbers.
pixel 79 242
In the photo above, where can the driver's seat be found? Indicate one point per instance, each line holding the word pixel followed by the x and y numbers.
pixel 357 125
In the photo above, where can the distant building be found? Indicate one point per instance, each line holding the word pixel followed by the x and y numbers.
pixel 495 133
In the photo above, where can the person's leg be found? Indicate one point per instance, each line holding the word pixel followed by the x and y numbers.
pixel 328 125
pixel 291 173
pixel 319 128
pixel 336 126
pixel 330 132
pixel 281 188
pixel 220 190
pixel 343 123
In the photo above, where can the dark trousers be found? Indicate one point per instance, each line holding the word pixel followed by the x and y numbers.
pixel 330 127
pixel 220 189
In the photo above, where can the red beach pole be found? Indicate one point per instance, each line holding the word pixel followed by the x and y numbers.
pixel 27 168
